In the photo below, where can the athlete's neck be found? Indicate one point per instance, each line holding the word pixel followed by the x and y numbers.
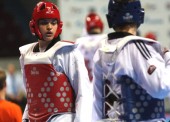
pixel 2 94
pixel 132 29
pixel 43 45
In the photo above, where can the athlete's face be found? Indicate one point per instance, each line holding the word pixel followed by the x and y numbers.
pixel 48 28
pixel 95 30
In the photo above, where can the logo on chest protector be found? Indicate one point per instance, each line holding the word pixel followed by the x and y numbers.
pixel 151 69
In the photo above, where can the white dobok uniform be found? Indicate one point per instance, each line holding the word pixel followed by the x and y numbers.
pixel 134 72
pixel 57 84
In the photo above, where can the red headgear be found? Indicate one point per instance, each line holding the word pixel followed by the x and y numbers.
pixel 45 10
pixel 150 35
pixel 93 20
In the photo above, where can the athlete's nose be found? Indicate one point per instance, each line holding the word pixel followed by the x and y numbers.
pixel 49 26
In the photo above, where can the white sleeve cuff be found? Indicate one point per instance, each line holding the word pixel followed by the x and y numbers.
pixel 167 57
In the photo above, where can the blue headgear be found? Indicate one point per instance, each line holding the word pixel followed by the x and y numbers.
pixel 120 13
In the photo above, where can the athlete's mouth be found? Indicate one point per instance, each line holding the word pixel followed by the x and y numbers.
pixel 49 33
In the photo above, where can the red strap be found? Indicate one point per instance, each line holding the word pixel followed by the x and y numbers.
pixel 68 41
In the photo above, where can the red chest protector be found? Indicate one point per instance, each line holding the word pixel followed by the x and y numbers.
pixel 48 92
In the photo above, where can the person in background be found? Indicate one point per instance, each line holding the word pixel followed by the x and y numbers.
pixel 89 43
pixel 56 79
pixel 15 87
pixel 131 73
pixel 9 111
pixel 151 35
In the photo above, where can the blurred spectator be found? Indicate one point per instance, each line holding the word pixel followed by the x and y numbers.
pixel 89 43
pixel 15 86
pixel 9 112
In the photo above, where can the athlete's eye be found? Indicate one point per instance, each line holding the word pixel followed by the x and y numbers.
pixel 54 22
pixel 43 22
pixel 48 21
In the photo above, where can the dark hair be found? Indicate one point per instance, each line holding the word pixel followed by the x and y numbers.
pixel 2 79
pixel 124 26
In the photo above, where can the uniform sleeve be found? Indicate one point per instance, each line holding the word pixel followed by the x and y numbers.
pixel 97 112
pixel 25 114
pixel 151 69
pixel 80 43
pixel 83 89
pixel 74 67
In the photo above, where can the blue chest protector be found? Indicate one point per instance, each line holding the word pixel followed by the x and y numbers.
pixel 137 104
pixel 134 104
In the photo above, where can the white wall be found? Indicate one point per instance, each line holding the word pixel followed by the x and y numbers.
pixel 157 17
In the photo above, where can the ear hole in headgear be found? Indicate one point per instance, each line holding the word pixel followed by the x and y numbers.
pixel 54 7
pixel 42 7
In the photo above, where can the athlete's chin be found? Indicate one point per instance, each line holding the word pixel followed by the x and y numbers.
pixel 48 38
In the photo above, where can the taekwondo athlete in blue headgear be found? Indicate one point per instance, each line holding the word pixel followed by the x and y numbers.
pixel 131 73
